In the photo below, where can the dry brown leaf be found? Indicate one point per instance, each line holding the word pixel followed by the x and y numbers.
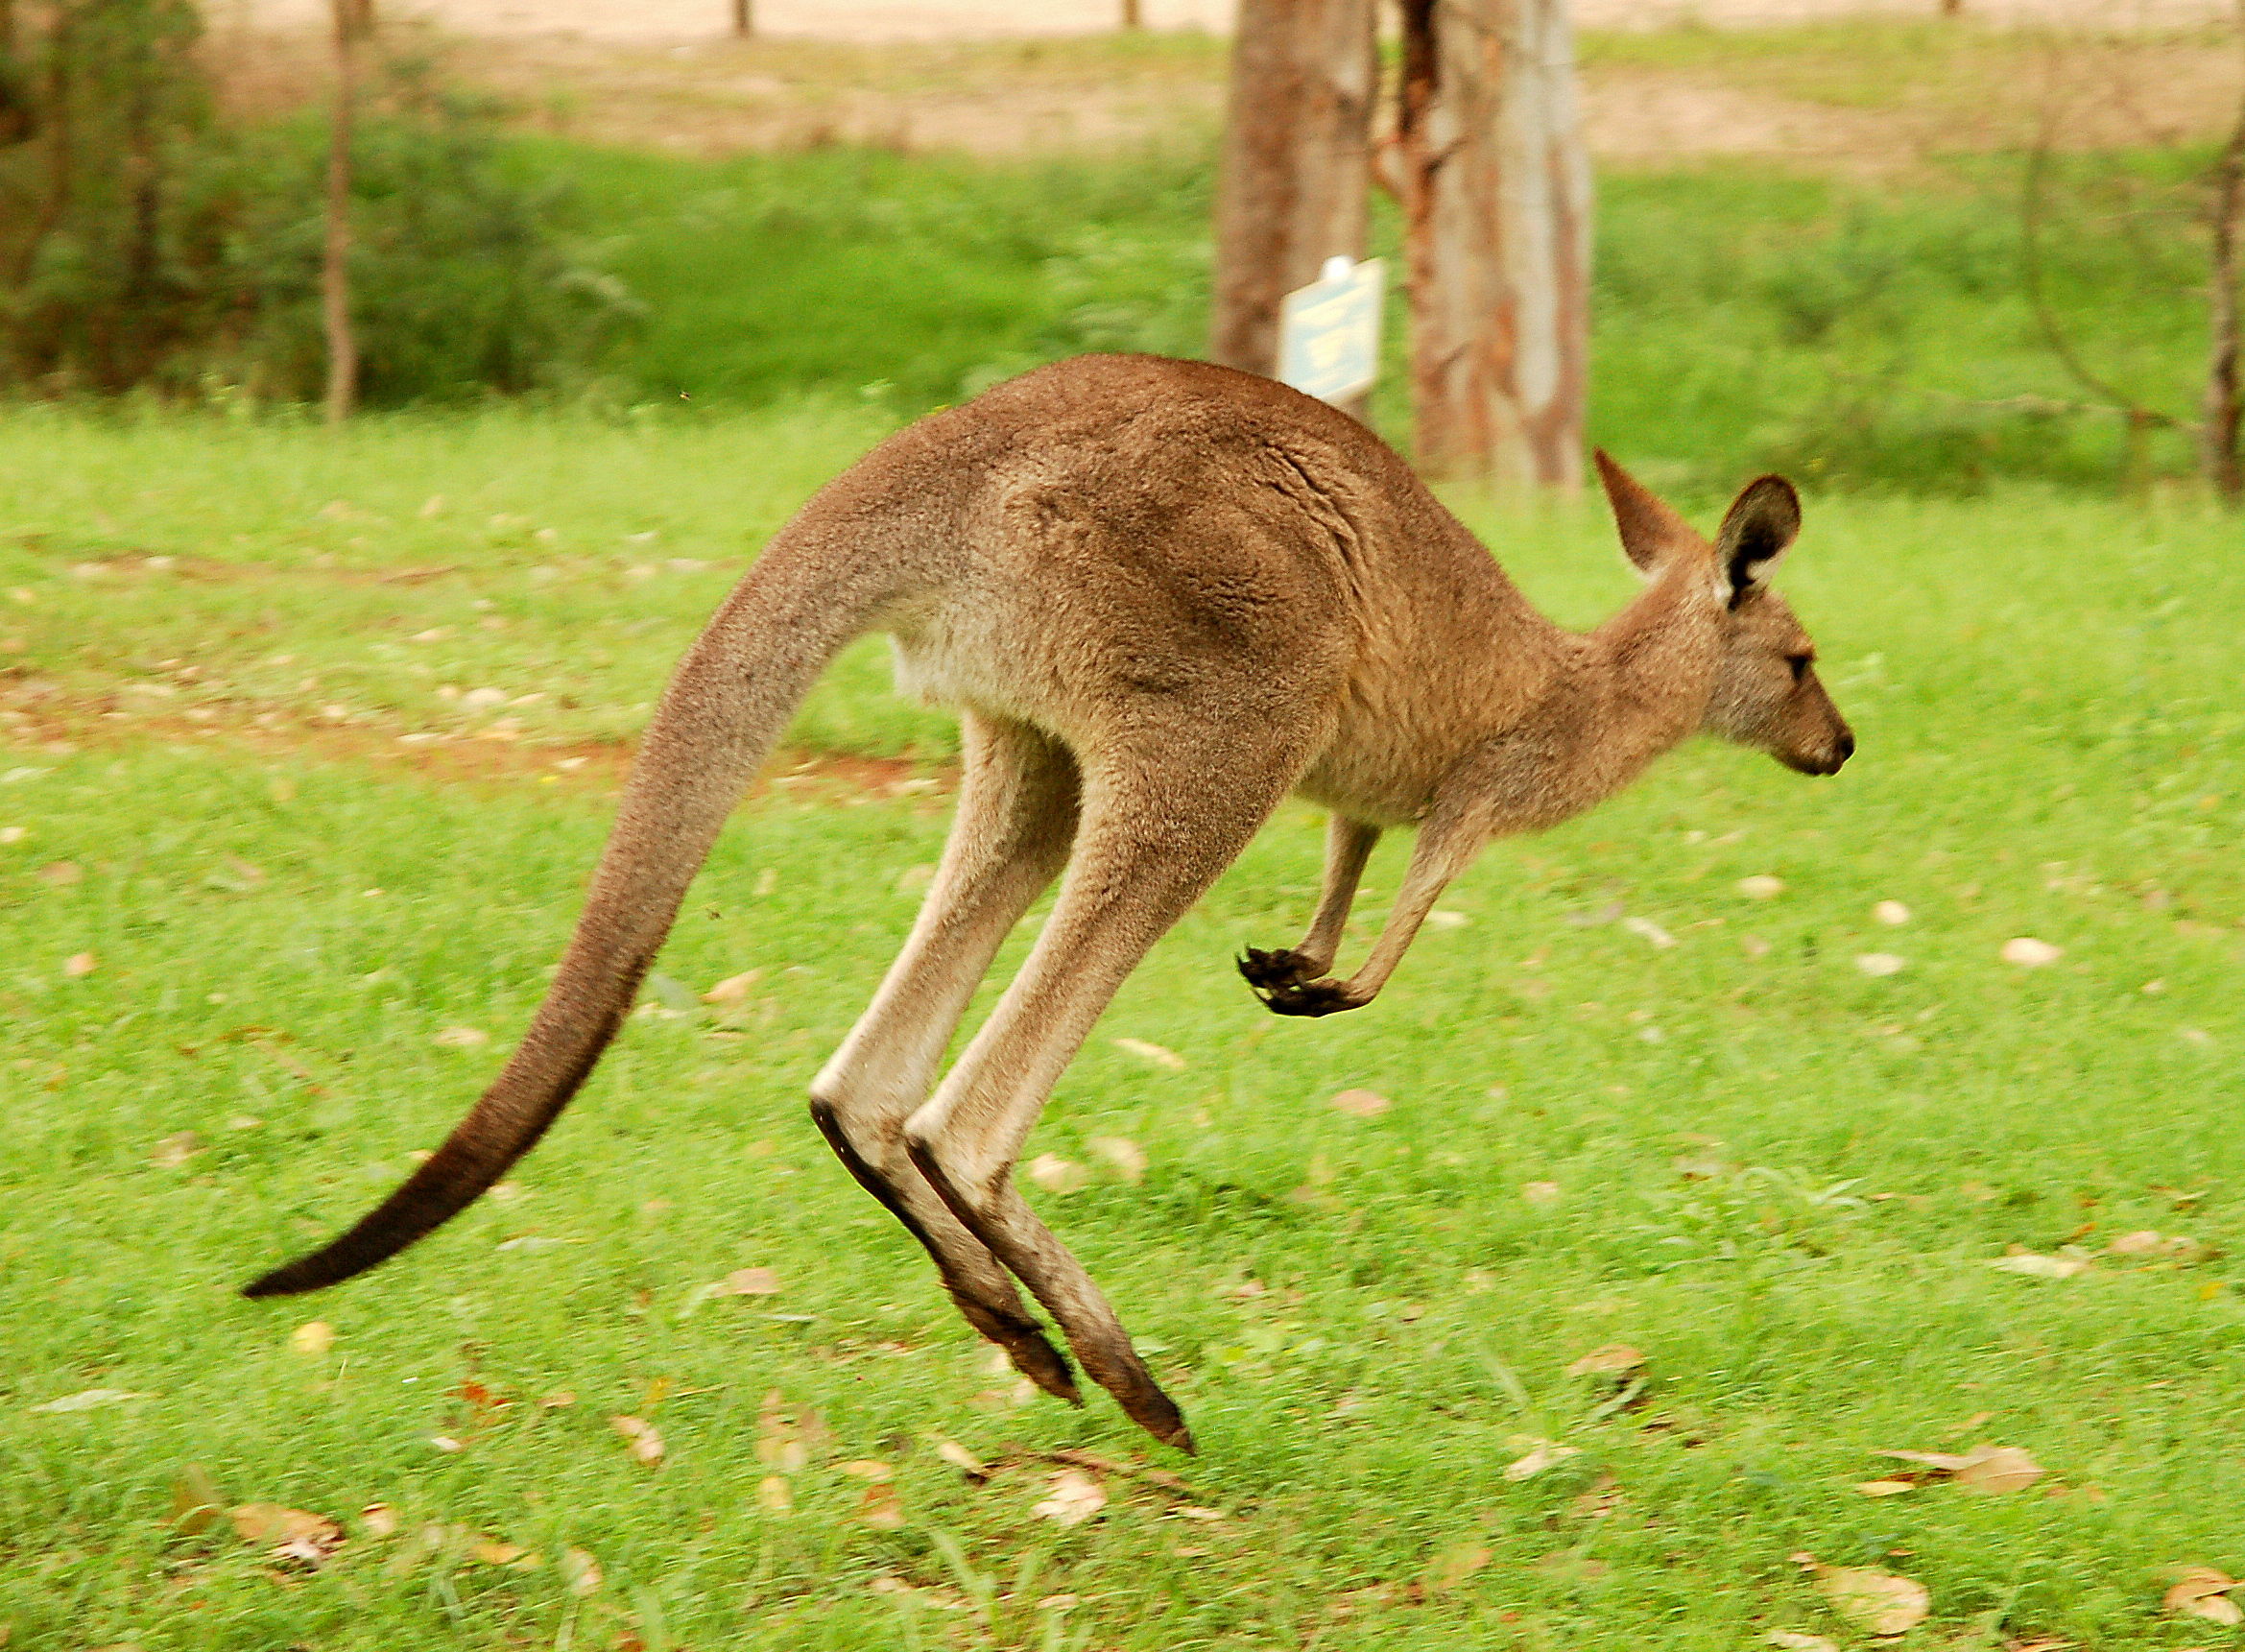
pixel 1157 1054
pixel 61 872
pixel 462 1038
pixel 1877 1602
pixel 1057 1175
pixel 641 1436
pixel 733 989
pixel 87 1399
pixel 1891 913
pixel 1541 1455
pixel 879 1507
pixel 314 1337
pixel 2029 953
pixel 963 1460
pixel 1074 1497
pixel 80 964
pixel 174 1151
pixel 1611 1360
pixel 1878 964
pixel 2202 1591
pixel 773 1492
pixel 582 1570
pixel 1800 1642
pixel 866 1469
pixel 750 1282
pixel 1126 1157
pixel 379 1518
pixel 1761 887
pixel 290 1534
pixel 492 1551
pixel 1360 1103
pixel 1885 1488
pixel 1983 1468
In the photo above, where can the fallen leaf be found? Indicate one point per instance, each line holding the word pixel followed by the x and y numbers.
pixel 1885 1488
pixel 1541 1194
pixel 866 1469
pixel 1360 1103
pixel 1891 912
pixel 80 964
pixel 462 1038
pixel 1988 1469
pixel 314 1337
pixel 1645 929
pixel 733 989
pixel 1057 1175
pixel 750 1282
pixel 1879 964
pixel 446 1444
pixel 174 1151
pixel 90 1399
pixel 2202 1591
pixel 290 1534
pixel 963 1460
pixel 583 1573
pixel 1074 1497
pixel 492 1551
pixel 2147 1243
pixel 643 1438
pixel 1541 1455
pixel 773 1494
pixel 1157 1054
pixel 379 1518
pixel 2067 1263
pixel 1194 1512
pixel 1761 887
pixel 1126 1156
pixel 1877 1602
pixel 1439 919
pixel 61 873
pixel 1611 1360
pixel 2029 953
pixel 557 1400
pixel 879 1507
pixel 1800 1642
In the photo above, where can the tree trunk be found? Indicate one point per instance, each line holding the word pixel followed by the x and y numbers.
pixel 353 22
pixel 2222 411
pixel 1952 7
pixel 1296 167
pixel 744 18
pixel 1134 14
pixel 1495 188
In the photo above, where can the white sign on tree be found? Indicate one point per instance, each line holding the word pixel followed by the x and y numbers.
pixel 1329 331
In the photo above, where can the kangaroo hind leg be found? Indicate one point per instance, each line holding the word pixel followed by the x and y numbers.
pixel 1148 847
pixel 1016 814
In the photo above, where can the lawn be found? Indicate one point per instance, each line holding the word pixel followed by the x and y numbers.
pixel 276 903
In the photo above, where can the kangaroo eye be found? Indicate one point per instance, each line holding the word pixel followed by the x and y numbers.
pixel 1800 664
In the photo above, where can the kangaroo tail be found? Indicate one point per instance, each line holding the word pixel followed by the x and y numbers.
pixel 727 706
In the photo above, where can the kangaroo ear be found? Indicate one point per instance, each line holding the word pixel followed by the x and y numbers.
pixel 1651 532
pixel 1756 531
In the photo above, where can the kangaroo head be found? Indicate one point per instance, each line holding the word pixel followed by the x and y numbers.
pixel 1765 693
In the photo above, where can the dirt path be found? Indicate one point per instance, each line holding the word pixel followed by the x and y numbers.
pixel 878 20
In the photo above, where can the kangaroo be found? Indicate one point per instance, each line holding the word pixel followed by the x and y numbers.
pixel 1162 596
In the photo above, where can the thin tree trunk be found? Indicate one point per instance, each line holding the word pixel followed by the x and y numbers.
pixel 1134 14
pixel 353 21
pixel 744 18
pixel 58 94
pixel 2222 412
pixel 1296 167
pixel 1495 188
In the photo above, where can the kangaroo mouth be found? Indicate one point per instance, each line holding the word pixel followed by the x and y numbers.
pixel 1830 761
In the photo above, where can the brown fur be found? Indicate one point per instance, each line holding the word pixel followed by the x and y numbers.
pixel 1162 596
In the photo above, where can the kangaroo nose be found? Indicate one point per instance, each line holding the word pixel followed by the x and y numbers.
pixel 1842 749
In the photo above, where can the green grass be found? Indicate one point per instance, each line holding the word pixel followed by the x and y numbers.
pixel 1873 334
pixel 2042 687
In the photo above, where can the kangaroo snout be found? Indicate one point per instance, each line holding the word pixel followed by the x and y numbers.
pixel 1830 761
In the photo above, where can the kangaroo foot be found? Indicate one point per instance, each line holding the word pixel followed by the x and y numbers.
pixel 1268 971
pixel 1125 1376
pixel 1312 998
pixel 1027 1346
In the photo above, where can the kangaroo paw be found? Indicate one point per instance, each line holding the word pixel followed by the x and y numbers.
pixel 1312 998
pixel 1141 1397
pixel 1027 1346
pixel 1268 971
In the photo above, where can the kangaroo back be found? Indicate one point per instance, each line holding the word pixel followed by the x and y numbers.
pixel 726 707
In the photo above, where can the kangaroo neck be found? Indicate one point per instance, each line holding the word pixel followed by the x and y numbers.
pixel 1640 683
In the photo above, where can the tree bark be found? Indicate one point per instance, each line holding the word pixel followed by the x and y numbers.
pixel 1495 188
pixel 1297 168
pixel 744 18
pixel 353 21
pixel 2222 410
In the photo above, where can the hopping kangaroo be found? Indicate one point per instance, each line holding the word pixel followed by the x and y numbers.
pixel 1162 596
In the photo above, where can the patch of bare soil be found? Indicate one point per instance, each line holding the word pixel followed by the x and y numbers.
pixel 39 717
pixel 890 20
